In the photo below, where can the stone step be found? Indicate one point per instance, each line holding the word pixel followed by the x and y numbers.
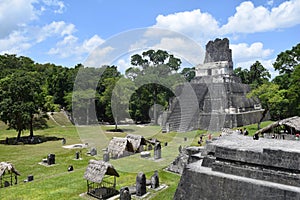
pixel 207 184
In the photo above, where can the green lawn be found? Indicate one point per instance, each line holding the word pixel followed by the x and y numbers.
pixel 55 182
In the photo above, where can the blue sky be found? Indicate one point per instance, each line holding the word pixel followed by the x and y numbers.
pixel 66 32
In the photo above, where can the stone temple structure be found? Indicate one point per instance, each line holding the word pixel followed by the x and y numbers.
pixel 238 167
pixel 215 98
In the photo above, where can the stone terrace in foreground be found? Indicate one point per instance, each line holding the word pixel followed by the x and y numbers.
pixel 238 167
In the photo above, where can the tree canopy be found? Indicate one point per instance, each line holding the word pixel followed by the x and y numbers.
pixel 105 95
pixel 21 97
pixel 256 76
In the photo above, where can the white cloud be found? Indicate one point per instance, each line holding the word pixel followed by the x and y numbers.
pixel 71 47
pixel 55 28
pixel 90 44
pixel 194 23
pixel 123 64
pixel 270 2
pixel 247 19
pixel 59 5
pixel 242 51
pixel 185 49
pixel 17 18
pixel 250 19
pixel 21 40
pixel 14 14
pixel 14 44
pixel 100 56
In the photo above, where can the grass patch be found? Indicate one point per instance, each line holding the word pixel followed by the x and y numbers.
pixel 253 127
pixel 55 182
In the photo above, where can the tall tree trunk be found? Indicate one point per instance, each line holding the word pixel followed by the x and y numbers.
pixel 31 127
pixel 262 117
pixel 19 135
pixel 116 123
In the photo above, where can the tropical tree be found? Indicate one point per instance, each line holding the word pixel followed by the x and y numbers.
pixel 272 99
pixel 188 73
pixel 256 76
pixel 21 97
pixel 243 74
pixel 155 70
pixel 286 61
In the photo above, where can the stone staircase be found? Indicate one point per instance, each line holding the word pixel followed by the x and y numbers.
pixel 184 108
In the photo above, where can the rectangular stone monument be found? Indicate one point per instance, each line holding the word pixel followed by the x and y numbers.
pixel 51 159
pixel 140 184
pixel 157 150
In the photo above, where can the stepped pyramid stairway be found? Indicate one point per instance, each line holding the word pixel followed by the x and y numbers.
pixel 185 107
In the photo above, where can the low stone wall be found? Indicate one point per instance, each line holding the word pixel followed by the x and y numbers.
pixel 269 157
pixel 257 172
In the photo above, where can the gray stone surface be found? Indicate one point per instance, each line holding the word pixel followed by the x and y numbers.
pixel 218 50
pixel 140 184
pixel 145 154
pixel 157 150
pixel 125 194
pixel 214 99
pixel 238 167
pixel 105 156
pixel 186 156
pixel 93 151
pixel 154 180
pixel 51 159
pixel 203 183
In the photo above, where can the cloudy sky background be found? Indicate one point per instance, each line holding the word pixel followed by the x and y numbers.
pixel 66 32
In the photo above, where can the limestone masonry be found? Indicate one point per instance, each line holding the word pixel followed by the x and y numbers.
pixel 215 98
pixel 238 167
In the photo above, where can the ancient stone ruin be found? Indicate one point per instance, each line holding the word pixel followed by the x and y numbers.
pixel 154 180
pixel 238 167
pixel 215 98
pixel 186 156
pixel 51 159
pixel 140 184
pixel 157 150
pixel 105 156
pixel 125 193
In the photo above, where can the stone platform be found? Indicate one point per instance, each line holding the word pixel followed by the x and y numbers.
pixel 243 168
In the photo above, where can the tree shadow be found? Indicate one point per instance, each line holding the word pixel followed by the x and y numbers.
pixel 120 130
pixel 37 139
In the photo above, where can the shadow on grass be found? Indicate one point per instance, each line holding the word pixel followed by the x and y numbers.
pixel 37 139
pixel 120 130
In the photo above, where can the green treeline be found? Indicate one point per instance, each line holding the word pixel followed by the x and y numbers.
pixel 28 89
pixel 280 96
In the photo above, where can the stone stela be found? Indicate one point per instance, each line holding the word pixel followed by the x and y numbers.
pixel 140 184
pixel 157 150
